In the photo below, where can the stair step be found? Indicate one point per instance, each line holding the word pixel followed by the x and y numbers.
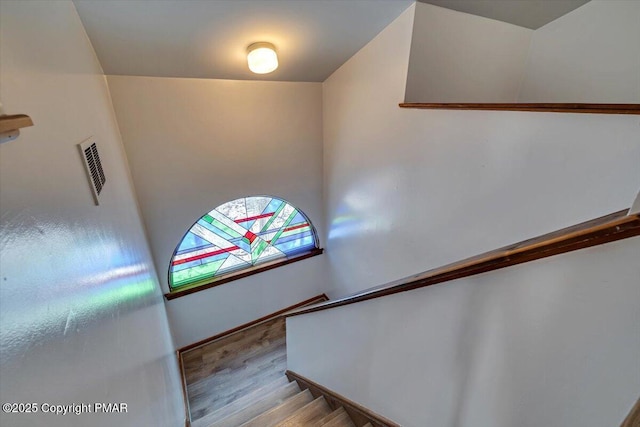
pixel 339 415
pixel 240 403
pixel 281 412
pixel 252 405
pixel 322 421
pixel 340 419
pixel 308 414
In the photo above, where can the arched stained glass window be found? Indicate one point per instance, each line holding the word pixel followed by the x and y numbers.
pixel 238 235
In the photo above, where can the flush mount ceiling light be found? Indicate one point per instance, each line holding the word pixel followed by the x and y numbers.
pixel 262 58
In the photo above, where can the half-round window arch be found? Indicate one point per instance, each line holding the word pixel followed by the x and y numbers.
pixel 238 235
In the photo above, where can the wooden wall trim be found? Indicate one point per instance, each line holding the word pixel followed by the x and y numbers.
pixel 534 107
pixel 358 413
pixel 316 299
pixel 185 397
pixel 241 274
pixel 609 228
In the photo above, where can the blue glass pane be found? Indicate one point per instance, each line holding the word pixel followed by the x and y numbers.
pixel 186 265
pixel 273 206
pixel 297 245
pixel 298 219
pixel 191 241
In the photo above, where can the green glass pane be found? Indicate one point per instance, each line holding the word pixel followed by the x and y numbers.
pixel 260 247
pixel 275 215
pixel 224 228
pixel 286 223
pixel 195 274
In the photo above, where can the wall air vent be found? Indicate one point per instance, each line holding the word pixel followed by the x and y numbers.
pixel 95 173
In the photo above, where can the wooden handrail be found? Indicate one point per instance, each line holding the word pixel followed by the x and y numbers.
pixel 609 228
pixel 15 121
pixel 534 107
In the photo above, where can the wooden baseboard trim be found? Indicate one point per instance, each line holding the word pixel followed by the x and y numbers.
pixel 316 299
pixel 358 413
pixel 183 381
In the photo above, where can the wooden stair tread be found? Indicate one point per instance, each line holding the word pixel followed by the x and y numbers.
pixel 324 420
pixel 240 379
pixel 233 350
pixel 221 372
pixel 225 392
pixel 341 419
pixel 308 414
pixel 281 412
pixel 250 405
pixel 240 403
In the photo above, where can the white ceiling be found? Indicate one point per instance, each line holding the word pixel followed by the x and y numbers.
pixel 525 13
pixel 208 38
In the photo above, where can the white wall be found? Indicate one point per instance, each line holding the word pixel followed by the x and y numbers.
pixel 194 144
pixel 410 190
pixel 81 313
pixel 550 343
pixel 458 57
pixel 589 55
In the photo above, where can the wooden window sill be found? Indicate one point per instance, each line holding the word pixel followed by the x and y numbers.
pixel 197 287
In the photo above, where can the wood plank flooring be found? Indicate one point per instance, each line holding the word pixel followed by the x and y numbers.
pixel 224 370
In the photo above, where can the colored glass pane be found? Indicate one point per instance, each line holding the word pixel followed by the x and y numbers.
pixel 240 234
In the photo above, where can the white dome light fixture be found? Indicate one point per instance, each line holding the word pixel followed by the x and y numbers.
pixel 262 58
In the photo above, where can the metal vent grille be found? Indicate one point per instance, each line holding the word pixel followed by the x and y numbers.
pixel 92 162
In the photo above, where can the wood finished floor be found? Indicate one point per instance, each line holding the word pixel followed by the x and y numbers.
pixel 222 371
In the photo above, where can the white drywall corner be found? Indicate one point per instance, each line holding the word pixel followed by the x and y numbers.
pixel 635 208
